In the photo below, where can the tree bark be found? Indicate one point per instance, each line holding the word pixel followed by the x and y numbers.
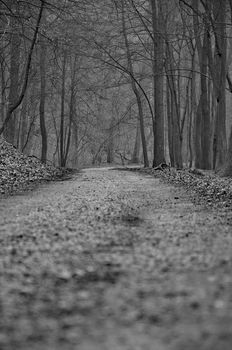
pixel 136 151
pixel 192 136
pixel 227 166
pixel 3 88
pixel 170 127
pixel 136 91
pixel 175 132
pixel 110 143
pixel 15 42
pixel 71 111
pixel 216 16
pixel 62 112
pixel 226 170
pixel 158 82
pixel 13 106
pixel 205 120
pixel 24 122
pixel 43 131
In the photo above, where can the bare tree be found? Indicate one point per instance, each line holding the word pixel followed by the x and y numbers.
pixel 43 52
pixel 158 80
pixel 135 89
pixel 13 105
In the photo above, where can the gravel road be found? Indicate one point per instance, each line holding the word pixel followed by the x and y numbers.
pixel 114 260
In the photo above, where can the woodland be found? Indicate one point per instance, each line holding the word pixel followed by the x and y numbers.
pixel 126 106
pixel 118 81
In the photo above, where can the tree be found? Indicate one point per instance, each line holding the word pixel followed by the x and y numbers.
pixel 226 169
pixel 15 43
pixel 135 89
pixel 43 52
pixel 203 122
pixel 158 80
pixel 15 102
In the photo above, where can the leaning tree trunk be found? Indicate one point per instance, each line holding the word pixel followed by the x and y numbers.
pixel 13 106
pixel 71 115
pixel 15 41
pixel 72 106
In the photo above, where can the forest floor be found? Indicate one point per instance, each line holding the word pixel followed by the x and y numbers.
pixel 115 260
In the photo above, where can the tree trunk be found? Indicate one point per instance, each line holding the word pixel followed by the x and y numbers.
pixel 15 42
pixel 13 106
pixel 3 89
pixel 110 151
pixel 136 151
pixel 175 132
pixel 43 51
pixel 227 166
pixel 170 127
pixel 62 112
pixel 202 132
pixel 24 122
pixel 71 113
pixel 219 81
pixel 175 129
pixel 110 143
pixel 75 141
pixel 158 82
pixel 136 91
pixel 205 156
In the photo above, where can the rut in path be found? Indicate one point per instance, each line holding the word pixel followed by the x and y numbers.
pixel 113 260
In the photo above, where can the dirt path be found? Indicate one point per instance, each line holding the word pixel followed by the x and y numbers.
pixel 113 260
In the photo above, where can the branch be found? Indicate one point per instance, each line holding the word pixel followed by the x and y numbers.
pixel 194 9
pixel 142 20
pixel 120 67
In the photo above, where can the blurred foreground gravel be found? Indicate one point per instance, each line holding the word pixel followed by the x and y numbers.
pixel 114 260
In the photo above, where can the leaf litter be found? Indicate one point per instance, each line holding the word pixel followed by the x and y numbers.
pixel 115 260
pixel 19 172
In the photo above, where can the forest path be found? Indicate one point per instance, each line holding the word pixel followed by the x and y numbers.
pixel 113 260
